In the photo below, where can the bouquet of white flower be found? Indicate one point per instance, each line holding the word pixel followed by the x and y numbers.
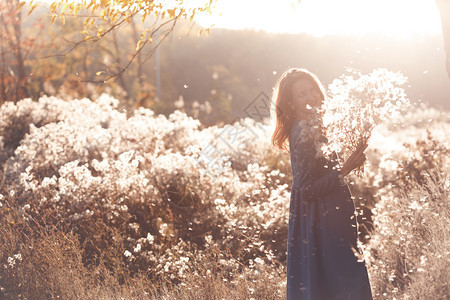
pixel 355 106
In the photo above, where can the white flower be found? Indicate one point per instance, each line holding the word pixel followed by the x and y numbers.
pixel 150 238
pixel 11 261
pixel 208 239
pixel 137 248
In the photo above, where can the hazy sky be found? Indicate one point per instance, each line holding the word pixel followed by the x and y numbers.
pixel 402 18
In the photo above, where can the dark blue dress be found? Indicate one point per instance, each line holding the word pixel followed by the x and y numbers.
pixel 322 229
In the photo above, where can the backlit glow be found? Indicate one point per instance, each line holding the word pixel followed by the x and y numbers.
pixel 402 18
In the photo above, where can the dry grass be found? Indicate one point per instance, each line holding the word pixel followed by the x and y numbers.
pixel 51 267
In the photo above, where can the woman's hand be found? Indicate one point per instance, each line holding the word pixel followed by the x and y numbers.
pixel 355 160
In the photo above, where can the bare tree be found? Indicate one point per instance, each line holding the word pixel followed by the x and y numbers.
pixel 12 58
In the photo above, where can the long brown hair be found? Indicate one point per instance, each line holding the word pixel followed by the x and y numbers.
pixel 281 98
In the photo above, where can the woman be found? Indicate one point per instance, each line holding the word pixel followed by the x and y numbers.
pixel 322 260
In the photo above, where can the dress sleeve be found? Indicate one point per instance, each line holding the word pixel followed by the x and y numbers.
pixel 303 157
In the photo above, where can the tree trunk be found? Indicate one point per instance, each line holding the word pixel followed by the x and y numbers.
pixel 2 73
pixel 444 10
pixel 21 90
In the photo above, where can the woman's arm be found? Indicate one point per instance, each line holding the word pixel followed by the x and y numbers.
pixel 303 156
pixel 355 160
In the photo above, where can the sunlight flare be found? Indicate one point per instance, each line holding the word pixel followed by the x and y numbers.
pixel 399 18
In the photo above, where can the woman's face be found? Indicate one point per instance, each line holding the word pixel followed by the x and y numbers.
pixel 305 95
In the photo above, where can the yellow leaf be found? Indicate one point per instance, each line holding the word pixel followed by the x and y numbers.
pixel 53 7
pixel 77 10
pixel 65 7
pixel 103 13
pixel 90 4
pixel 138 45
pixel 99 32
pixel 63 20
pixel 32 8
pixel 99 73
pixel 200 32
pixel 87 37
pixel 53 19
pixel 21 4
pixel 86 21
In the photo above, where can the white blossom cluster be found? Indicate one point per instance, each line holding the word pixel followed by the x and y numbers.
pixel 13 260
pixel 356 105
pixel 86 163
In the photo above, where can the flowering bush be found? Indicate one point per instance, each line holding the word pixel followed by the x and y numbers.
pixel 139 197
pixel 406 189
pixel 134 188
pixel 408 255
